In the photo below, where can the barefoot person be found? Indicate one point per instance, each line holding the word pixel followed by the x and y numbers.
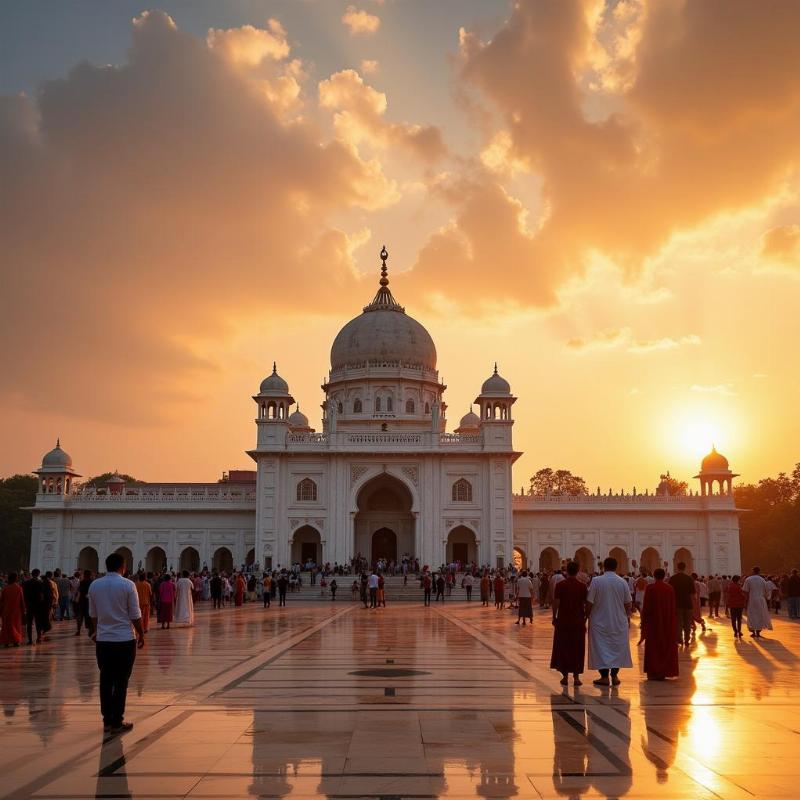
pixel 608 605
pixel 658 629
pixel 569 626
pixel 115 613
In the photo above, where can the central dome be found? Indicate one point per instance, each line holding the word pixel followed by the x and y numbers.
pixel 383 334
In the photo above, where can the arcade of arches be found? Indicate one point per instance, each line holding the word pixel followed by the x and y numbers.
pixel 650 559
pixel 384 523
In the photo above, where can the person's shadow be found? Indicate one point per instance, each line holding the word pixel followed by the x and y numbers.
pixel 112 763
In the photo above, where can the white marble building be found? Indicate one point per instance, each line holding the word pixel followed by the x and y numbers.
pixel 382 478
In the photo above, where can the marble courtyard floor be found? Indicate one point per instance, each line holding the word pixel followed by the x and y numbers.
pixel 318 699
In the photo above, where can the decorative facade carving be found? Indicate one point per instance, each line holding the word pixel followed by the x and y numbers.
pixel 356 471
pixel 412 473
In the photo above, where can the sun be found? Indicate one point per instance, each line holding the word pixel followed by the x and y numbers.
pixel 698 436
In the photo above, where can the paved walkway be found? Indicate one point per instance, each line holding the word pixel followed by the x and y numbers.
pixel 322 699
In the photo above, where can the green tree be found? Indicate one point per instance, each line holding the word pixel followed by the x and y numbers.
pixel 770 524
pixel 100 481
pixel 16 493
pixel 557 482
pixel 672 486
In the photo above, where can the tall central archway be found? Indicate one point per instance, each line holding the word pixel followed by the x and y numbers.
pixel 384 507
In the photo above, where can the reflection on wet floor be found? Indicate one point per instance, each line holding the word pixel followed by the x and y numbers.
pixel 313 700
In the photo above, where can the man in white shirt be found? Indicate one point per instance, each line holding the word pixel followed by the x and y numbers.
pixel 524 598
pixel 373 590
pixel 115 612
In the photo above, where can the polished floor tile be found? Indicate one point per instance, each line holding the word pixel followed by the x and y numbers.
pixel 453 701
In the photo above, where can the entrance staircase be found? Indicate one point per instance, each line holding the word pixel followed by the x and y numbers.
pixel 395 591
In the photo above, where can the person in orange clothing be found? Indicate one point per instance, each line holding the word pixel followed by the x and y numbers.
pixel 12 612
pixel 239 589
pixel 145 592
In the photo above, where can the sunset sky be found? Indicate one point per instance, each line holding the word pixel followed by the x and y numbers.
pixel 603 198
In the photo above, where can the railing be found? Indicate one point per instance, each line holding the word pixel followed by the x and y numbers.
pixel 384 438
pixel 163 495
pixel 605 499
pixel 460 438
pixel 307 438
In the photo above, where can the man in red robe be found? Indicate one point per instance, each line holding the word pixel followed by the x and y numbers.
pixel 569 622
pixel 658 630
pixel 12 612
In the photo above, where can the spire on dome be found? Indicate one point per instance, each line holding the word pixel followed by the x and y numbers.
pixel 383 300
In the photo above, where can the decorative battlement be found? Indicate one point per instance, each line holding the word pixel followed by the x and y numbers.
pixel 343 440
pixel 642 500
pixel 164 494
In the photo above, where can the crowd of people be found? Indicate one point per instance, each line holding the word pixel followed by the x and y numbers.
pixel 594 609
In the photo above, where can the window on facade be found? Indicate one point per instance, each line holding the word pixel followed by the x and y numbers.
pixel 462 491
pixel 378 405
pixel 306 490
pixel 427 408
pixel 357 407
pixel 409 406
pixel 388 403
pixel 340 408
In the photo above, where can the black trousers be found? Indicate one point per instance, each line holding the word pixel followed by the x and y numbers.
pixel 469 592
pixel 115 660
pixel 373 598
pixel 427 597
pixel 282 598
pixel 266 600
pixel 216 601
pixel 736 619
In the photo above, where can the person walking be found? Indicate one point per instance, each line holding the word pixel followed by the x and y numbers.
pixel 239 590
pixel 499 592
pixel 608 606
pixel 145 594
pixel 64 594
pixel 117 626
pixel 37 604
pixel 266 589
pixel 427 585
pixel 215 587
pixel 485 586
pixel 714 595
pixel 569 626
pixel 467 582
pixel 758 618
pixel 12 612
pixel 82 603
pixel 373 590
pixel 166 601
pixel 684 603
pixel 793 594
pixel 440 584
pixel 334 587
pixel 184 600
pixel 737 600
pixel 658 629
pixel 283 585
pixel 524 599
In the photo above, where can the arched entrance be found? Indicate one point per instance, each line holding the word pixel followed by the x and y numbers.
pixel 156 560
pixel 384 545
pixel 549 560
pixel 306 546
pixel 190 560
pixel 88 559
pixel 650 560
pixel 685 555
pixel 623 567
pixel 128 556
pixel 585 559
pixel 461 546
pixel 223 560
pixel 250 558
pixel 520 561
pixel 384 506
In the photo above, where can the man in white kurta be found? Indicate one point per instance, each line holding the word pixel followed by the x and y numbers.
pixel 757 591
pixel 184 605
pixel 609 604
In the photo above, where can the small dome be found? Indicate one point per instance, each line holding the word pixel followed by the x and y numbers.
pixel 57 458
pixel 298 419
pixel 470 421
pixel 714 462
pixel 274 384
pixel 496 384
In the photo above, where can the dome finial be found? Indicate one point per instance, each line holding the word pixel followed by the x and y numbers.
pixel 495 368
pixel 58 442
pixel 384 254
pixel 274 368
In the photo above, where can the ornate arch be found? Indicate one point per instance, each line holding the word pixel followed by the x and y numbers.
pixel 374 472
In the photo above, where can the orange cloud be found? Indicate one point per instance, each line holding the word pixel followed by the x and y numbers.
pixel 149 205
pixel 637 122
pixel 782 243
pixel 360 117
pixel 360 22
